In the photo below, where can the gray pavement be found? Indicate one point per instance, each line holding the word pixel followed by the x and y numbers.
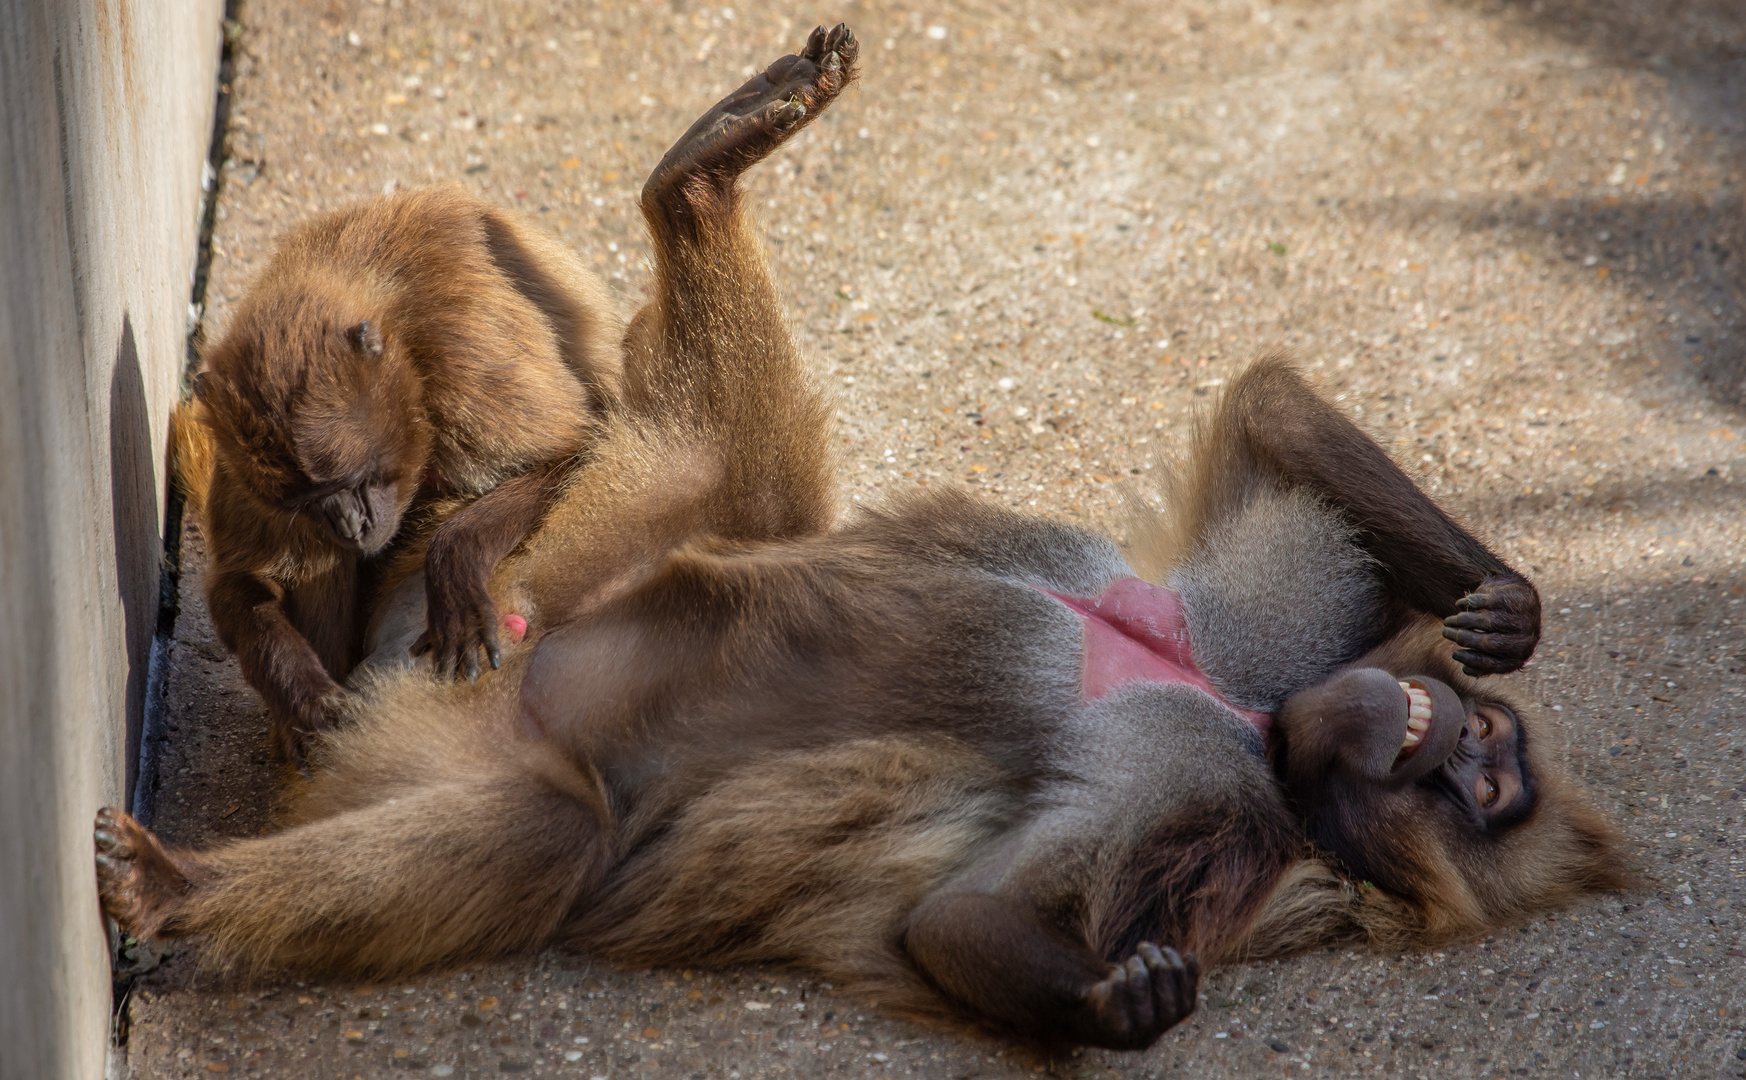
pixel 1507 236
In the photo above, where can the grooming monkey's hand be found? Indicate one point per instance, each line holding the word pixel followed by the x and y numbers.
pixel 460 619
pixel 1141 999
pixel 1497 625
pixel 313 712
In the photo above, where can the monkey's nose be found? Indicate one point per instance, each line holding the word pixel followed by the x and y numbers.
pixel 350 524
pixel 346 517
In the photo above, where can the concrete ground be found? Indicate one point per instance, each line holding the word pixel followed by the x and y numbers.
pixel 1507 236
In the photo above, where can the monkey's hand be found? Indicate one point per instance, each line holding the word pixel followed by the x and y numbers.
pixel 1497 625
pixel 308 715
pixel 460 620
pixel 1139 1000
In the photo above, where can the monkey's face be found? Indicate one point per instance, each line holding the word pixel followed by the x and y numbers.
pixel 1398 776
pixel 328 425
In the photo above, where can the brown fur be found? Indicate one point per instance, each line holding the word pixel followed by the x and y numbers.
pixel 740 731
pixel 424 358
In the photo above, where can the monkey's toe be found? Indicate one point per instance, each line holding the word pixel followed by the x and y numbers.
pixel 761 115
pixel 136 878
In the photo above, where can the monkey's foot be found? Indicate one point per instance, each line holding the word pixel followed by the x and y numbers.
pixel 139 882
pixel 1141 999
pixel 1497 626
pixel 761 115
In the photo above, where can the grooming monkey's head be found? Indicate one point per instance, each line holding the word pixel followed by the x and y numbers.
pixel 317 410
pixel 1432 792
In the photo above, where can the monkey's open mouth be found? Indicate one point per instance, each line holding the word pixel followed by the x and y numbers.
pixel 1418 717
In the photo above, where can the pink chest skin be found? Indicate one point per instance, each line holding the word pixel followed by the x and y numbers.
pixel 1137 632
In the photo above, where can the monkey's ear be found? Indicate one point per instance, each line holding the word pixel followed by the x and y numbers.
pixel 199 386
pixel 366 338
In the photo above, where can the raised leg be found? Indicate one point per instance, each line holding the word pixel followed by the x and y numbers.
pixel 461 870
pixel 711 352
pixel 722 431
pixel 1273 427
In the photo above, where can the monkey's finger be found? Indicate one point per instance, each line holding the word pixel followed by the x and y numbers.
pixel 1479 664
pixel 1480 620
pixel 488 638
pixel 1155 959
pixel 1190 977
pixel 1157 966
pixel 1141 1011
pixel 1489 597
pixel 1496 644
pixel 815 42
pixel 1172 979
pixel 472 666
pixel 1496 658
pixel 421 646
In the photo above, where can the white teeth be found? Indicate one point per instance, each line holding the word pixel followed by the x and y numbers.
pixel 1418 715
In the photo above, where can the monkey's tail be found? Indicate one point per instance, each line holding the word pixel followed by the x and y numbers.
pixel 191 453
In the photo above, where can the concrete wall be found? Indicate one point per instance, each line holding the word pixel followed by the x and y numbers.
pixel 106 124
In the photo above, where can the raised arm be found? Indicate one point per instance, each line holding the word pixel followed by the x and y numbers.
pixel 1273 427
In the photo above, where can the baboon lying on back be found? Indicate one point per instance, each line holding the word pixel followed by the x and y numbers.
pixel 959 759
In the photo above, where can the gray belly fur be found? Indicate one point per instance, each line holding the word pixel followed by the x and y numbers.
pixel 1278 596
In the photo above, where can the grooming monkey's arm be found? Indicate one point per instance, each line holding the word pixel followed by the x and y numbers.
pixel 1005 965
pixel 1431 563
pixel 461 617
pixel 249 614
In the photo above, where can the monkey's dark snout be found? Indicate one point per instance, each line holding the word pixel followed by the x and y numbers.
pixel 348 515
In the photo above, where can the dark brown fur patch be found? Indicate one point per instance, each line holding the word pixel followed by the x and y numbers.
pixel 1196 882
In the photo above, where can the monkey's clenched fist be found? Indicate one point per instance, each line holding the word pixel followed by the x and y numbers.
pixel 1152 992
pixel 1497 625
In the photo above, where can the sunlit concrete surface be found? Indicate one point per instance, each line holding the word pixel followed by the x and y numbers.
pixel 1508 237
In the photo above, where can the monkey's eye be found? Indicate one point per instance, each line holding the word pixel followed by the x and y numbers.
pixel 1481 726
pixel 1486 791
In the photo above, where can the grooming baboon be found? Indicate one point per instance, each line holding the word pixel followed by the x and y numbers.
pixel 423 357
pixel 958 759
